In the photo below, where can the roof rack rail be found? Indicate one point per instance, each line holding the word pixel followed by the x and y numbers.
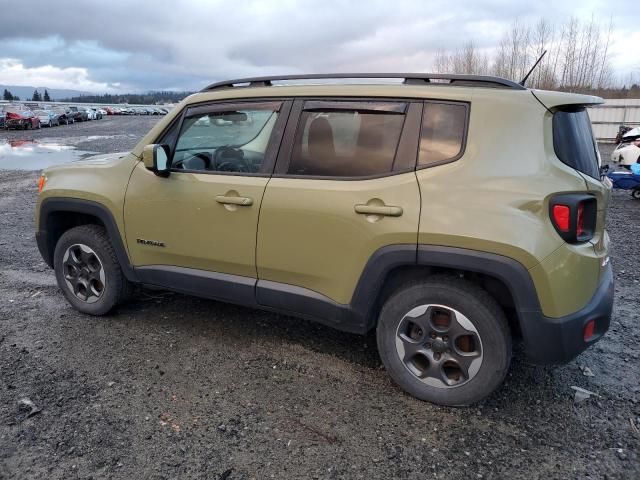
pixel 408 78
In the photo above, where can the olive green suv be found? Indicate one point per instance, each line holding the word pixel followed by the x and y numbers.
pixel 453 214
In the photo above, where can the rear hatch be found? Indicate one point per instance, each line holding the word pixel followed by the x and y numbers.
pixel 575 145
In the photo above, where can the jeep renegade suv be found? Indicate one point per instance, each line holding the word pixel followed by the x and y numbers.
pixel 450 213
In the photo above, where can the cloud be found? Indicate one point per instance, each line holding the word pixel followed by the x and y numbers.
pixel 15 73
pixel 161 44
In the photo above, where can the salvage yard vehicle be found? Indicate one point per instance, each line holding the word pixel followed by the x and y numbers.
pixel 24 119
pixel 64 115
pixel 47 118
pixel 394 207
pixel 79 114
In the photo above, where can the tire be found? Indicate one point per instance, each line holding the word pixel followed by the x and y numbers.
pixel 635 193
pixel 50 124
pixel 485 351
pixel 115 288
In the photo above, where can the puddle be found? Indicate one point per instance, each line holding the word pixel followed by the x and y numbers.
pixel 31 155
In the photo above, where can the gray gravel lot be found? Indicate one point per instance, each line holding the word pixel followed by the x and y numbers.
pixel 171 386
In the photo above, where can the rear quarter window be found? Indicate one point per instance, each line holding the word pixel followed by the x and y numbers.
pixel 573 141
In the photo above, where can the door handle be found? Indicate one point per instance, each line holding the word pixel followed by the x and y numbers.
pixel 240 201
pixel 386 210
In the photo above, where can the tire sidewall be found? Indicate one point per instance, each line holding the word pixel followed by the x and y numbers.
pixel 110 294
pixel 493 332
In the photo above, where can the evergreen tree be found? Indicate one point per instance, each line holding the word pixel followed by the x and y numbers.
pixel 7 95
pixel 36 96
pixel 46 97
pixel 16 98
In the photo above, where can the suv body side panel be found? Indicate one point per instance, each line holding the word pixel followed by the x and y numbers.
pixel 196 231
pixel 495 198
pixel 310 235
pixel 102 181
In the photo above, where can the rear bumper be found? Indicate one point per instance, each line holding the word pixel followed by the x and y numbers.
pixel 559 340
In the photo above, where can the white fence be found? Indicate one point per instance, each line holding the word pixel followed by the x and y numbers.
pixel 607 118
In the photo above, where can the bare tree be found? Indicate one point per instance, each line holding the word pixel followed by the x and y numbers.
pixel 577 58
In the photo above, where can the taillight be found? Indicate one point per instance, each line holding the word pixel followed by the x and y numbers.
pixel 580 221
pixel 561 217
pixel 574 216
pixel 589 330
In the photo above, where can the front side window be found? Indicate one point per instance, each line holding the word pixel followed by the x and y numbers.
pixel 340 142
pixel 233 140
pixel 443 132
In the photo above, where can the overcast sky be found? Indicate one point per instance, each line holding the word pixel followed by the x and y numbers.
pixel 139 45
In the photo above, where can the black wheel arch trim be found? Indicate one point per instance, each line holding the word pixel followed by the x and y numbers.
pixel 46 244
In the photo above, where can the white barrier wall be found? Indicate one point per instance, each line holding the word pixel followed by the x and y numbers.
pixel 612 114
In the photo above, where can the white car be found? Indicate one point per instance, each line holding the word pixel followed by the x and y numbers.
pixel 626 153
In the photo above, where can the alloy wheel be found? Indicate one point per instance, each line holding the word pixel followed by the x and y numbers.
pixel 439 345
pixel 83 273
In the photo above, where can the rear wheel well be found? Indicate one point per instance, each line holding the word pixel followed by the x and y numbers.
pixel 400 276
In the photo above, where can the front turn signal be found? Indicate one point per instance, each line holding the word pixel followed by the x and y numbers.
pixel 41 183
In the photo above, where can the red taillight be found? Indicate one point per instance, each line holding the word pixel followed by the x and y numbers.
pixel 561 216
pixel 589 330
pixel 574 216
pixel 580 222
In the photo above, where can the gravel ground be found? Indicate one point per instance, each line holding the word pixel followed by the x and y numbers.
pixel 176 387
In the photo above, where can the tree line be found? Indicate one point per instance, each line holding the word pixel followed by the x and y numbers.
pixel 36 97
pixel 149 98
pixel 577 59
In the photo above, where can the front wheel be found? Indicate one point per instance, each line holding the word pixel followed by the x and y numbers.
pixel 444 340
pixel 636 193
pixel 88 272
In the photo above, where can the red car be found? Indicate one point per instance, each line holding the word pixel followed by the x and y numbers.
pixel 24 120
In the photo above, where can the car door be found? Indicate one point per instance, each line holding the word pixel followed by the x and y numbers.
pixel 344 187
pixel 200 221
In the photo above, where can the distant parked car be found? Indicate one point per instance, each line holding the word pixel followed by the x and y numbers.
pixel 25 120
pixel 64 115
pixel 102 112
pixel 48 118
pixel 79 114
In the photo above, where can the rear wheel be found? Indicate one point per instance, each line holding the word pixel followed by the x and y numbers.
pixel 444 340
pixel 636 193
pixel 88 272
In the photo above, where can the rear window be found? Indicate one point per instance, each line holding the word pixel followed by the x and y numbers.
pixel 443 133
pixel 342 142
pixel 573 141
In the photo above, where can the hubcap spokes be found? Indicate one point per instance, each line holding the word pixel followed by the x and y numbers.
pixel 83 273
pixel 439 345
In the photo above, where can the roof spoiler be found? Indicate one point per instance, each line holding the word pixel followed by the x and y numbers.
pixel 552 100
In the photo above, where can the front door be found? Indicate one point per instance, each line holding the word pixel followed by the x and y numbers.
pixel 203 217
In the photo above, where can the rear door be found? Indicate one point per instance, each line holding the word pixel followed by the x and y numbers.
pixel 344 186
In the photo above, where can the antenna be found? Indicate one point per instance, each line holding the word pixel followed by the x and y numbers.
pixel 524 80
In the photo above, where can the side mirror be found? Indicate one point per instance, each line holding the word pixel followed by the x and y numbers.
pixel 156 159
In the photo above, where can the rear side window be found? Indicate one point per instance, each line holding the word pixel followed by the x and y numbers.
pixel 443 133
pixel 344 142
pixel 573 141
